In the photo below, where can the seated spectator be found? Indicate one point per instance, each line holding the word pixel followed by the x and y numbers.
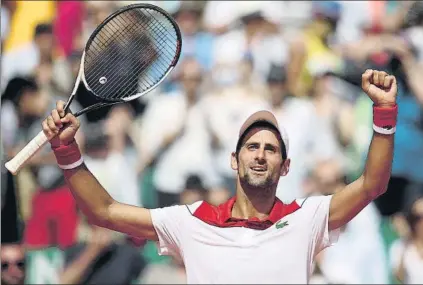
pixel 406 254
pixel 13 270
pixel 103 259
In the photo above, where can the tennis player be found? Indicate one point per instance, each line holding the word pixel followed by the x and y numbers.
pixel 253 237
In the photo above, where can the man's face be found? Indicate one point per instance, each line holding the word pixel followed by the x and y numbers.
pixel 45 43
pixel 12 264
pixel 34 103
pixel 260 159
pixel 277 92
pixel 188 22
pixel 191 76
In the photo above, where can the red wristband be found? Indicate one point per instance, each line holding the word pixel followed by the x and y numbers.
pixel 68 156
pixel 385 119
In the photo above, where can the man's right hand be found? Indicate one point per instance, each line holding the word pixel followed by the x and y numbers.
pixel 59 127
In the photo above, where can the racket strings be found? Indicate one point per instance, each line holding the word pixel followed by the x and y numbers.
pixel 153 80
pixel 115 57
pixel 130 54
pixel 162 65
pixel 147 54
pixel 156 72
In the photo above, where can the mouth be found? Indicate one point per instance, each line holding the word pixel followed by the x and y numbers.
pixel 259 169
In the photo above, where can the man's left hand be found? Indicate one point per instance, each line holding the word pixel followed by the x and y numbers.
pixel 380 87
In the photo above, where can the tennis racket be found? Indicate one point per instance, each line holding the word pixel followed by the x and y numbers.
pixel 128 55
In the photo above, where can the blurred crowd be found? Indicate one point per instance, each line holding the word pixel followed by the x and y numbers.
pixel 301 60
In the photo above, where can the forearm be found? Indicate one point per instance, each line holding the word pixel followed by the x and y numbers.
pixel 74 273
pixel 414 70
pixel 91 197
pixel 378 167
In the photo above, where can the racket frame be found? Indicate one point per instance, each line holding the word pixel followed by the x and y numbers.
pixel 19 161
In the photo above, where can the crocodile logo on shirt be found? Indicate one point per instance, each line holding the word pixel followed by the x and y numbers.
pixel 280 224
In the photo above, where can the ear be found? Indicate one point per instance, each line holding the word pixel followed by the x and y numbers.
pixel 234 161
pixel 285 167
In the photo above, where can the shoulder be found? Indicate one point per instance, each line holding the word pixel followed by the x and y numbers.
pixel 314 203
pixel 174 212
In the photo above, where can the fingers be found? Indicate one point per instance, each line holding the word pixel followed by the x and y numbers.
pixel 387 81
pixel 365 79
pixel 393 83
pixel 60 106
pixel 52 126
pixel 381 78
pixel 46 129
pixel 377 78
pixel 70 119
pixel 56 118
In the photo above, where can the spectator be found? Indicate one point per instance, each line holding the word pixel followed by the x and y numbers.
pixel 102 260
pixel 106 154
pixel 313 47
pixel 26 16
pixel 227 108
pixel 197 44
pixel 174 135
pixel 193 191
pixel 256 36
pixel 23 61
pixel 12 264
pixel 310 137
pixel 406 254
pixel 366 262
pixel 406 184
pixel 24 105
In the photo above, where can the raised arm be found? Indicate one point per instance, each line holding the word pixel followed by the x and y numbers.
pixel 94 201
pixel 346 204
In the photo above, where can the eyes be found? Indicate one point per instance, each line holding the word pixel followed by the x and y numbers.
pixel 268 147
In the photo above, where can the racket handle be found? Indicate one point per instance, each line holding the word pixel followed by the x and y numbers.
pixel 19 161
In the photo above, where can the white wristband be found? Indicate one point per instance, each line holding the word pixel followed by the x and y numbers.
pixel 383 131
pixel 72 165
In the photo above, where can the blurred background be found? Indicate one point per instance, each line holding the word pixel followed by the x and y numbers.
pixel 302 60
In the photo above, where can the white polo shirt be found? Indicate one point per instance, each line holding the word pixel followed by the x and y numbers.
pixel 219 249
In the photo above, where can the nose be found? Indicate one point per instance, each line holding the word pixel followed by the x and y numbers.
pixel 15 272
pixel 260 155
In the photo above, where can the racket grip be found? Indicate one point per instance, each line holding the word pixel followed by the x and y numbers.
pixel 19 161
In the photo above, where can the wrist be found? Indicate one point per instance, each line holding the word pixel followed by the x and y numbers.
pixel 385 118
pixel 68 156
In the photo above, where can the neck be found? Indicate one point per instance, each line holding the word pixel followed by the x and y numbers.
pixel 253 203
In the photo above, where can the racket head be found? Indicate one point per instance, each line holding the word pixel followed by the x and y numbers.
pixel 130 53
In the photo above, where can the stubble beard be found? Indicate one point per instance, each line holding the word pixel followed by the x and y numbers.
pixel 262 183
